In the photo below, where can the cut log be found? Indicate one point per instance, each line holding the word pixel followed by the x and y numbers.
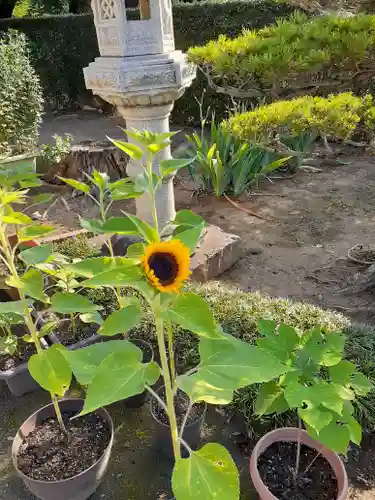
pixel 86 157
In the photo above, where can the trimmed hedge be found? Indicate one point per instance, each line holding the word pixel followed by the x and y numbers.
pixel 62 45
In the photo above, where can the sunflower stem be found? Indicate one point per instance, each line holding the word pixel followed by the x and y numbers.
pixel 171 355
pixel 152 192
pixel 103 215
pixel 168 384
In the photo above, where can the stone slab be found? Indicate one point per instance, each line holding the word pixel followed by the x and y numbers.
pixel 218 252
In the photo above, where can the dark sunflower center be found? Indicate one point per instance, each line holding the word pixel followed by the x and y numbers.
pixel 164 266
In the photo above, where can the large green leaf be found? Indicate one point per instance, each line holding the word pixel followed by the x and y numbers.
pixel 335 436
pixel 85 362
pixel 341 373
pixel 36 255
pixel 270 399
pixel 324 349
pixel 14 306
pixel 193 313
pixel 188 218
pixel 65 303
pixel 121 321
pixel 120 225
pixel 147 232
pixel 168 167
pixel 94 226
pixel 42 198
pixel 281 343
pixel 120 276
pixel 360 384
pixel 51 370
pixel 200 390
pixel 91 267
pixel 91 317
pixel 126 192
pixel 80 186
pixel 129 148
pixel 120 376
pixel 208 474
pixel 33 285
pixel 189 236
pixel 17 218
pixel 227 365
pixel 33 232
pixel 315 417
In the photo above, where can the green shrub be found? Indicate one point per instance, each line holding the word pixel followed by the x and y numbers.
pixel 59 55
pixel 297 56
pixel 75 248
pixel 274 125
pixel 20 97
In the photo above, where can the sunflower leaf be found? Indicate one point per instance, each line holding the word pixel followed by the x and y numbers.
pixel 189 236
pixel 147 232
pixel 209 473
pixel 193 313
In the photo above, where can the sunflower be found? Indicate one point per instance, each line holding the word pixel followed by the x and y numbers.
pixel 167 265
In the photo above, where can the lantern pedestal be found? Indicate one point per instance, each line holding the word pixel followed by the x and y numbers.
pixel 144 89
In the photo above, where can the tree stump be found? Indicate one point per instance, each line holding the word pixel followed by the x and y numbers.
pixel 86 157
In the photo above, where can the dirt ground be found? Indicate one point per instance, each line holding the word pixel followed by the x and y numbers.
pixel 301 252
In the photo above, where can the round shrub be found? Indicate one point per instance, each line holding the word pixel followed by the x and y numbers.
pixel 20 97
pixel 337 116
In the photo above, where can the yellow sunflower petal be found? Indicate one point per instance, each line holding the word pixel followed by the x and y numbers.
pixel 176 259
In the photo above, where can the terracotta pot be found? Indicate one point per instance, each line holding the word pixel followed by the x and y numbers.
pixel 78 487
pixel 291 434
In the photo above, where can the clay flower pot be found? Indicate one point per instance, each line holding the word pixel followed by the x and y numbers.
pixel 291 434
pixel 79 487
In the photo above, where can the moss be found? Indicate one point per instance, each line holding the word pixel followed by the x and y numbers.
pixel 75 248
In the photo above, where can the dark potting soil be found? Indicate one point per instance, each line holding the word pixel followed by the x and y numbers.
pixel 24 352
pixel 276 466
pixel 47 455
pixel 181 404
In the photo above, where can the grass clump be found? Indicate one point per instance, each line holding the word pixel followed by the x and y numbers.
pixel 75 248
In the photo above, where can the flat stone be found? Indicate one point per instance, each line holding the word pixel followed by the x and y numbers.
pixel 218 252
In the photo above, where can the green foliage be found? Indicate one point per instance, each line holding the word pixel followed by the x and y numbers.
pixel 321 386
pixel 51 370
pixel 275 125
pixel 75 248
pixel 20 97
pixel 59 56
pixel 208 473
pixel 226 164
pixel 55 153
pixel 322 54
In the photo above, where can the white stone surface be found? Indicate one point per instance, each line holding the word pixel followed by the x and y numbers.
pixel 119 36
pixel 141 74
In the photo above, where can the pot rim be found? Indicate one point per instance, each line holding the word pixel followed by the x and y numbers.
pixel 39 481
pixel 287 434
pixel 167 425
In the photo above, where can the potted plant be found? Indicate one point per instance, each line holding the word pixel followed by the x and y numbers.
pixel 20 103
pixel 51 154
pixel 156 268
pixel 73 463
pixel 321 388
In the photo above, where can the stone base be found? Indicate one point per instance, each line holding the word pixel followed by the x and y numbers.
pixel 218 252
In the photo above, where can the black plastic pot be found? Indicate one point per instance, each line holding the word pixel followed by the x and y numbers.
pixel 19 380
pixel 78 487
pixel 163 440
pixel 148 354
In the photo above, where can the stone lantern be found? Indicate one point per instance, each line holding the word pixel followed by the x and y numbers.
pixel 140 72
